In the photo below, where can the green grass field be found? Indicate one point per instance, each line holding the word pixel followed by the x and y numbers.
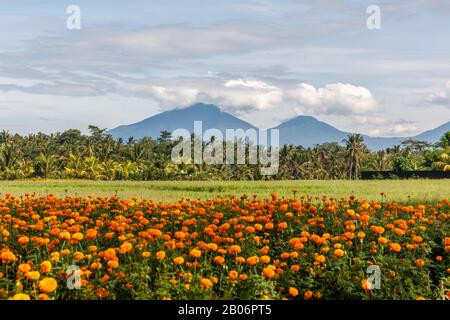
pixel 166 191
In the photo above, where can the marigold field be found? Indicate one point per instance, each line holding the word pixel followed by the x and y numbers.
pixel 228 248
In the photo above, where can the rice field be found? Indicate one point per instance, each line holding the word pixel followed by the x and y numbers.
pixel 169 191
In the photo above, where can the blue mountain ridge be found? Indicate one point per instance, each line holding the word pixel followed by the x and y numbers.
pixel 306 131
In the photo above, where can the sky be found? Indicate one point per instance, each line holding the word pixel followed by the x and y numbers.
pixel 261 60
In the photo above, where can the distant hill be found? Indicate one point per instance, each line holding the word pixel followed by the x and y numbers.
pixel 306 131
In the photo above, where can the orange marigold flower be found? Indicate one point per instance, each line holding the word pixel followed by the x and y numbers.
pixel 284 255
pixel 160 255
pixel 419 262
pixel 293 291
pixel 252 261
pixel 195 253
pixel 295 267
pixel 23 240
pixel 24 268
pixel 146 254
pixel 233 274
pixel 269 271
pixel 243 277
pixel 234 249
pixel 365 284
pixel 206 283
pixel 264 259
pixel 91 233
pixel 219 259
pixel 320 258
pixel 339 253
pixel 308 294
pixel 282 225
pixel 395 247
pixel 125 247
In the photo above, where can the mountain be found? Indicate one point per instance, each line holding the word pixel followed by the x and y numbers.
pixel 302 130
pixel 210 115
pixel 308 131
pixel 435 134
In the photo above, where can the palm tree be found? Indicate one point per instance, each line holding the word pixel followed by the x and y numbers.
pixel 355 152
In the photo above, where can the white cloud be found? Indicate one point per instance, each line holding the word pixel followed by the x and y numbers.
pixel 441 97
pixel 338 98
pixel 175 96
pixel 256 84
pixel 396 130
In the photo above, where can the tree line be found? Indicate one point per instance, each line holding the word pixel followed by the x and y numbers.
pixel 98 156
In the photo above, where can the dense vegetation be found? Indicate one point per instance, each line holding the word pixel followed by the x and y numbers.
pixel 98 156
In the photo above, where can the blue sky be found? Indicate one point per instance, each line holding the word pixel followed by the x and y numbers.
pixel 264 61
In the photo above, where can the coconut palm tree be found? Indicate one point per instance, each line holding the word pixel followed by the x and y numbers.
pixel 354 144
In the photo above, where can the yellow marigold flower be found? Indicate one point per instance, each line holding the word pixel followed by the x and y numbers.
pixel 146 254
pixel 178 261
pixel 20 296
pixel 64 235
pixel 46 267
pixel 78 236
pixel 48 285
pixel 32 275
pixel 54 256
pixel 264 259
